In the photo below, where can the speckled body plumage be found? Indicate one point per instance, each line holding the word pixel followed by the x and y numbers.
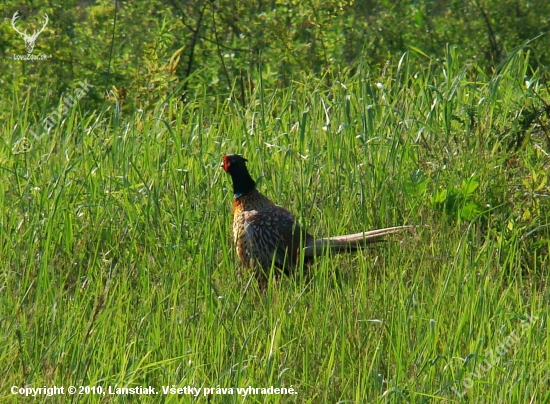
pixel 265 233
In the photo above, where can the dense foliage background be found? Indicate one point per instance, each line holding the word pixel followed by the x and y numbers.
pixel 140 52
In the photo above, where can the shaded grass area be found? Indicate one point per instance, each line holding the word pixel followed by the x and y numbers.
pixel 118 267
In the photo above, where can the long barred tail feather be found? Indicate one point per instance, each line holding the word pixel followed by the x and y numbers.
pixel 350 241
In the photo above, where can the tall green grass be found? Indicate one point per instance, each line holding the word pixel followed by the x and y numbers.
pixel 118 267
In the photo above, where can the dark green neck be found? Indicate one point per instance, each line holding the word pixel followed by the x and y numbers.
pixel 242 183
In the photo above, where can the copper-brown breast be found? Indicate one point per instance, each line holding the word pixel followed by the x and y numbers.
pixel 239 231
pixel 265 233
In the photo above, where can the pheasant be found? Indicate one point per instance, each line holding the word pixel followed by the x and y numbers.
pixel 267 234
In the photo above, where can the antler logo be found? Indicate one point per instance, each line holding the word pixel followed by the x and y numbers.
pixel 29 40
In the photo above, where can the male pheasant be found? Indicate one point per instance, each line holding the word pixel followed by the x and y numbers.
pixel 266 234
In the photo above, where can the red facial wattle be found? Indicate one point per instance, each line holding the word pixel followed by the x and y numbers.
pixel 226 162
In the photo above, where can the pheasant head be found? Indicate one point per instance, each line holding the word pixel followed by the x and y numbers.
pixel 235 166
